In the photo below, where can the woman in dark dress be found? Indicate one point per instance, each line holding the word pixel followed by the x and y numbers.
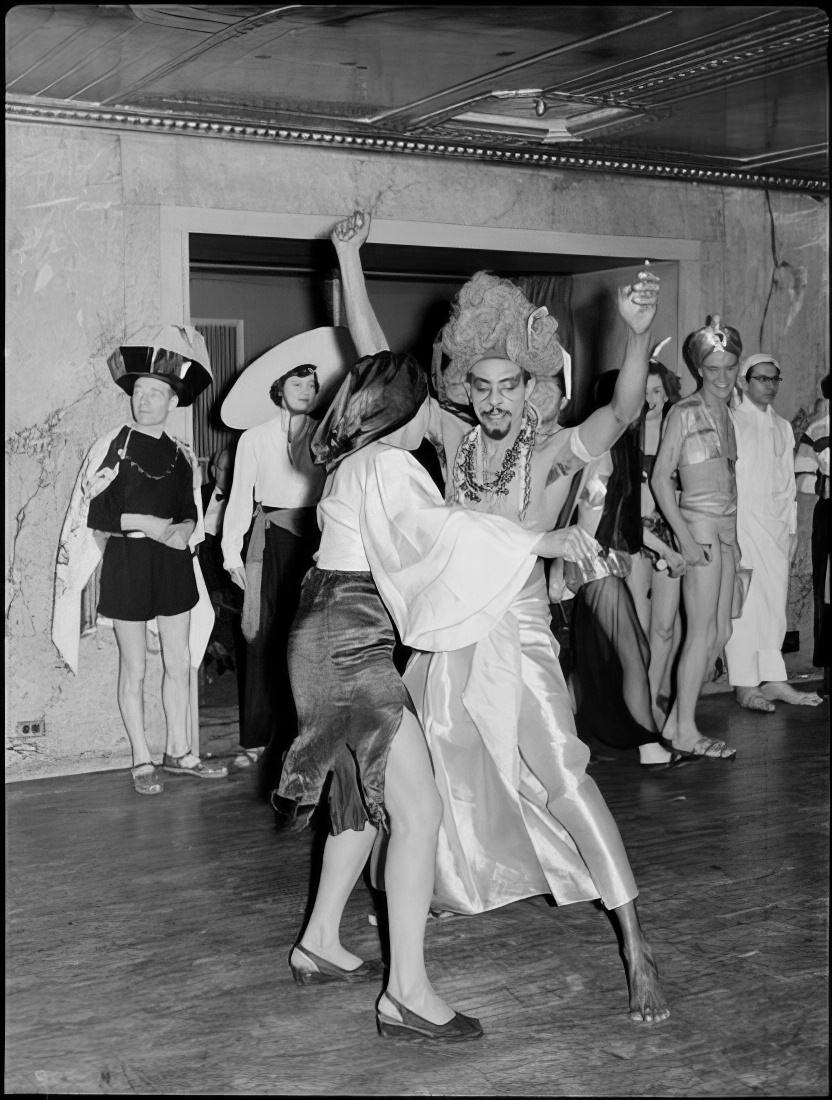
pixel 610 650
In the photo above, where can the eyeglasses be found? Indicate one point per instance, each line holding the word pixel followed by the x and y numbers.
pixel 771 379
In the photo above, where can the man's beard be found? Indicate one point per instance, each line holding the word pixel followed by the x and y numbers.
pixel 498 430
pixel 497 433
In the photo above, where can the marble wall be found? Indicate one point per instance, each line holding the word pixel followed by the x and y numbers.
pixel 84 269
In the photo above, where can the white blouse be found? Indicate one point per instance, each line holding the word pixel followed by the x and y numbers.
pixel 267 470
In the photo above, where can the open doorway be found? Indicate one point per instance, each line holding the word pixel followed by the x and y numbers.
pixel 273 288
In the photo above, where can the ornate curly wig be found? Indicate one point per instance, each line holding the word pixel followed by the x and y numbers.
pixel 492 318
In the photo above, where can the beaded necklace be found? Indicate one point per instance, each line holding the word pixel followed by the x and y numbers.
pixel 466 485
pixel 122 454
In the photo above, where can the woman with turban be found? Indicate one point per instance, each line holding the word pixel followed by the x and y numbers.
pixel 698 443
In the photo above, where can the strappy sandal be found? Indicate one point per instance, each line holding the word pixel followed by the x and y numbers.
pixel 146 782
pixel 710 748
pixel 200 769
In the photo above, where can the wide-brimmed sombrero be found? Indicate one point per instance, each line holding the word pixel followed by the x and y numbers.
pixel 329 350
pixel 176 354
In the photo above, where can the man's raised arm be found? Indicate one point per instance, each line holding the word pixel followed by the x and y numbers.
pixel 348 237
pixel 637 307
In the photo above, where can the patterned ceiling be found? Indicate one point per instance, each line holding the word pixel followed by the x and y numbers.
pixel 731 94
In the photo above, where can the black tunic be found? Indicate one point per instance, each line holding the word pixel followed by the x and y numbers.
pixel 141 578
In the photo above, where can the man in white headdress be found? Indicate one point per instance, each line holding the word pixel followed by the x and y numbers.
pixel 766 532
pixel 275 489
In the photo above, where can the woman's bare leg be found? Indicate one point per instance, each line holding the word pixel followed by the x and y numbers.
pixel 415 810
pixel 640 580
pixel 343 861
pixel 664 635
pixel 132 660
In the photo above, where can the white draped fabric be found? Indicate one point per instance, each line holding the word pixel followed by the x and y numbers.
pixel 766 517
pixel 81 549
pixel 468 595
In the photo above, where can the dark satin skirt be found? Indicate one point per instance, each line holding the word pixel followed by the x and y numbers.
pixel 349 698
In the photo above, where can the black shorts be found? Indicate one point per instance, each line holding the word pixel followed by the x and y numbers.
pixel 141 578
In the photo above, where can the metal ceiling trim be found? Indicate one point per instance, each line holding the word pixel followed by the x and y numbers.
pixel 18 109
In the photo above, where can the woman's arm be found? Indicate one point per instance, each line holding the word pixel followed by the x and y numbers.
pixel 365 330
pixel 637 307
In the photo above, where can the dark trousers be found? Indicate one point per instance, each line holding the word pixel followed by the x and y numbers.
pixel 268 716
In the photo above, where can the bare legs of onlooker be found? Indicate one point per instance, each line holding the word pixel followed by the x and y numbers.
pixel 657 596
pixel 132 649
pixel 707 591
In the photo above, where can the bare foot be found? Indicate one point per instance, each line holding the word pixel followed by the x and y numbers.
pixel 647 1003
pixel 750 698
pixel 782 690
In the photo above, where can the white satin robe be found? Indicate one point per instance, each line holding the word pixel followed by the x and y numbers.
pixel 485 662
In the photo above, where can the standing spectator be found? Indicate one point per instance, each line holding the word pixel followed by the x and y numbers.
pixel 274 494
pixel 698 442
pixel 226 597
pixel 654 579
pixel 135 505
pixel 767 533
pixel 812 468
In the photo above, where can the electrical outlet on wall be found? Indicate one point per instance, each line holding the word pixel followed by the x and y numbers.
pixel 32 727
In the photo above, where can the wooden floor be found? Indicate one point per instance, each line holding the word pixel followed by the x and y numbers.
pixel 147 941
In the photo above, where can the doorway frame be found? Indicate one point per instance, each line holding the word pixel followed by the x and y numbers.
pixel 178 222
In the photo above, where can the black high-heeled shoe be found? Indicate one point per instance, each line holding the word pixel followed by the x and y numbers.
pixel 324 971
pixel 457 1030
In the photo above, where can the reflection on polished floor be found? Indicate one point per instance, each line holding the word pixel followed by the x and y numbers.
pixel 147 941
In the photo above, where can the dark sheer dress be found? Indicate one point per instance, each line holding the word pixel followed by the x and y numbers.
pixel 610 651
pixel 141 578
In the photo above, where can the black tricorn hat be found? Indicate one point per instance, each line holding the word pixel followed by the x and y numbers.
pixel 175 354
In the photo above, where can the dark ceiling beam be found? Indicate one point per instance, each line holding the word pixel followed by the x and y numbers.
pixel 235 30
pixel 499 74
pixel 728 42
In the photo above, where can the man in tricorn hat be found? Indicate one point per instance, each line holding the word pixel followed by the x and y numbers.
pixel 274 494
pixel 135 508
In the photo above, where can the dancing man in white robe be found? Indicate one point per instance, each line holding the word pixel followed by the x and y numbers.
pixel 766 532
pixel 520 815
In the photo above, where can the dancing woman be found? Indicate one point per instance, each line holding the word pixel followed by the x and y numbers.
pixel 698 442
